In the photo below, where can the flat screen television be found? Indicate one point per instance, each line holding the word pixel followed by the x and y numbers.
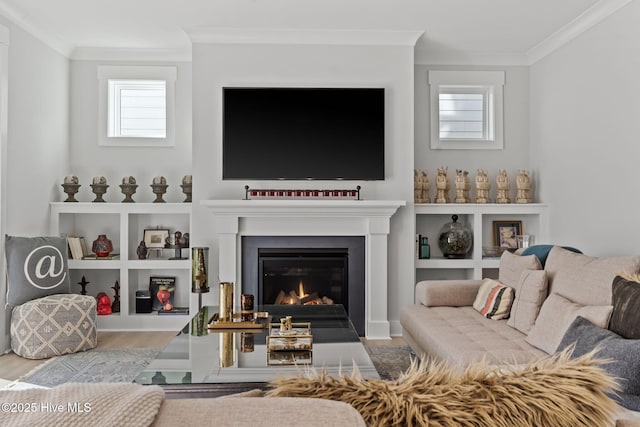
pixel 303 133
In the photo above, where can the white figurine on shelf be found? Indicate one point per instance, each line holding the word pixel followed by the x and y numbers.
pixel 482 186
pixel 462 186
pixel 503 187
pixel 442 185
pixel 417 186
pixel 523 187
pixel 424 178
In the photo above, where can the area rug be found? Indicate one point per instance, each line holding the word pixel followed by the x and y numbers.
pixel 93 366
pixel 390 360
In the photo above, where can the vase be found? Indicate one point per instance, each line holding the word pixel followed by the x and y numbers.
pixel 102 246
pixel 455 239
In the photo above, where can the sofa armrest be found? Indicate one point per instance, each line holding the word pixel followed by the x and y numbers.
pixel 452 293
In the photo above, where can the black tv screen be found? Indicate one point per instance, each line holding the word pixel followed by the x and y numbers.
pixel 303 133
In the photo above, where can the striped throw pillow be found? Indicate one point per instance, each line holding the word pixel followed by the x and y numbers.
pixel 493 300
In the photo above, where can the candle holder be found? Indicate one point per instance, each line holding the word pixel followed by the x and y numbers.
pixel 99 190
pixel 159 190
pixel 71 190
pixel 128 190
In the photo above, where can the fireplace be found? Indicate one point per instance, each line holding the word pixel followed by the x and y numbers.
pixel 306 270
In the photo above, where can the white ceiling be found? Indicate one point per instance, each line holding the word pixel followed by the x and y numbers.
pixel 497 28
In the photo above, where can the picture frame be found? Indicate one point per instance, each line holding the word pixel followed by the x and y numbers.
pixel 505 232
pixel 155 237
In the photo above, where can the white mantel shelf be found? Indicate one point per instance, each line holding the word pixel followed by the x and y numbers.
pixel 298 217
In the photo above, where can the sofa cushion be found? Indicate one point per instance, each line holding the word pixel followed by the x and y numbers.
pixel 512 266
pixel 532 291
pixel 556 315
pixel 461 335
pixel 624 356
pixel 493 300
pixel 625 319
pixel 36 267
pixel 583 279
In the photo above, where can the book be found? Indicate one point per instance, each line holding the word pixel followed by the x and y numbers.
pixel 94 256
pixel 175 310
pixel 161 283
pixel 75 247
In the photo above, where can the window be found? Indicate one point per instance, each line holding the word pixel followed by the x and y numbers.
pixel 466 109
pixel 136 106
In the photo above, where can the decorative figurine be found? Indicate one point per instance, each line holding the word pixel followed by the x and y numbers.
pixel 115 306
pixel 442 185
pixel 417 187
pixel 142 250
pixel 159 187
pixel 128 188
pixel 462 186
pixel 83 283
pixel 102 246
pixel 99 187
pixel 424 178
pixel 104 304
pixel 482 186
pixel 71 187
pixel 503 187
pixel 177 242
pixel 186 187
pixel 523 187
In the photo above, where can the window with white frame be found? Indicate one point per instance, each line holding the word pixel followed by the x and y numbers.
pixel 136 105
pixel 466 109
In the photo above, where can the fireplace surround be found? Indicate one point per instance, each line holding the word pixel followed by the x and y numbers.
pixel 370 219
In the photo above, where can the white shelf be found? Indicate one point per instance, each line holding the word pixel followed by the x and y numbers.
pixel 430 217
pixel 124 224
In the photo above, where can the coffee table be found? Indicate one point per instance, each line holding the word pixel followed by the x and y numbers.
pixel 202 362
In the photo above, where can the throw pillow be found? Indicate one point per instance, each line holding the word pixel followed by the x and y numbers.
pixel 625 319
pixel 622 353
pixel 512 266
pixel 556 315
pixel 531 293
pixel 36 267
pixel 493 300
pixel 584 279
pixel 542 251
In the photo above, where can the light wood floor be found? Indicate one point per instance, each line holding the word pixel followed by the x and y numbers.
pixel 13 367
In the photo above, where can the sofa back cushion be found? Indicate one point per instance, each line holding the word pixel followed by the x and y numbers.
pixel 583 279
pixel 532 291
pixel 512 266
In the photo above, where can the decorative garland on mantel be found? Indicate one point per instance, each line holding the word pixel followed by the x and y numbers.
pixel 264 193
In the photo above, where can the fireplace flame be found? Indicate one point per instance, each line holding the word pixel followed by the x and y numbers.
pixel 301 293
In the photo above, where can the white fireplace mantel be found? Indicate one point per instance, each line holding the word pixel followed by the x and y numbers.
pixel 369 218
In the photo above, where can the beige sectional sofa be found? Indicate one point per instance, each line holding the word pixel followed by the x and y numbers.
pixel 444 325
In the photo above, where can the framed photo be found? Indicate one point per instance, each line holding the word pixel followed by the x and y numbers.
pixel 155 237
pixel 505 232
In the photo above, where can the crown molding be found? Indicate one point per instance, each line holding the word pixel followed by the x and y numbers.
pixel 466 58
pixel 303 36
pixel 592 16
pixel 23 22
pixel 131 54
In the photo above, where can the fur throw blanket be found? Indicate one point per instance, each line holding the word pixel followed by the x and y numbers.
pixel 553 391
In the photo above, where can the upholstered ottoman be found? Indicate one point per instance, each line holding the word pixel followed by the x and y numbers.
pixel 54 325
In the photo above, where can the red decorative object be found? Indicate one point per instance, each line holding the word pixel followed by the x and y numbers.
pixel 102 246
pixel 104 304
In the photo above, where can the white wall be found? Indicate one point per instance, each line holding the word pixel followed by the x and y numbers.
pixel 88 159
pixel 513 157
pixel 216 65
pixel 38 138
pixel 584 137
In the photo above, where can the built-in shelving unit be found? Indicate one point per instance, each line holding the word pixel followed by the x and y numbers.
pixel 124 225
pixel 479 218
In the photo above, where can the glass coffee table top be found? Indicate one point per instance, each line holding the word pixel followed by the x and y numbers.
pixel 198 355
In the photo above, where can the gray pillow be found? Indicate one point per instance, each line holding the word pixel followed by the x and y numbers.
pixel 36 267
pixel 623 353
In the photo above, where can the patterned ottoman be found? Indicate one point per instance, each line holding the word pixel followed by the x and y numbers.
pixel 54 325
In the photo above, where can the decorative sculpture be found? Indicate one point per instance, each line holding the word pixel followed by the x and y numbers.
pixel 159 187
pixel 482 186
pixel 503 187
pixel 523 187
pixel 141 250
pixel 186 187
pixel 104 304
pixel 128 188
pixel 99 187
pixel 424 179
pixel 83 284
pixel 442 185
pixel 421 186
pixel 115 306
pixel 70 187
pixel 462 186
